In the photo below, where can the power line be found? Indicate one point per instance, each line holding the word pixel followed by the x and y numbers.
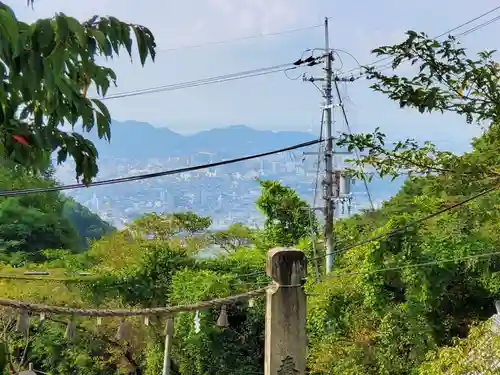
pixel 315 196
pixel 480 26
pixel 462 34
pixel 468 22
pixel 180 87
pixel 217 79
pixel 356 150
pixel 416 265
pixel 418 221
pixel 81 278
pixel 10 193
pixel 249 37
pixel 376 62
pixel 203 81
pixel 459 27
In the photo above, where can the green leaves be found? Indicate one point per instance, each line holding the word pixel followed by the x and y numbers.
pixel 9 29
pixel 62 27
pixel 387 320
pixel 447 79
pixel 50 68
pixel 78 30
pixel 477 353
pixel 288 217
pixel 103 120
pixel 232 238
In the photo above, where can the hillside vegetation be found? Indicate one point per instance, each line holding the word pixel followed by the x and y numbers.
pixel 393 306
pixel 415 297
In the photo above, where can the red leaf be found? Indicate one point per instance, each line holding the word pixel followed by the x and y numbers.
pixel 21 139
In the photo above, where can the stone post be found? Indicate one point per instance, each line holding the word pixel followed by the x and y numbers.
pixel 286 340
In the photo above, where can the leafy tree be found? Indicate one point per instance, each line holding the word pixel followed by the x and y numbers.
pixel 135 271
pixel 382 319
pixel 131 271
pixel 89 226
pixel 28 230
pixel 238 349
pixel 35 222
pixel 288 218
pixel 167 225
pixel 234 237
pixel 184 230
pixel 478 353
pixel 378 318
pixel 446 80
pixel 32 223
pixel 46 70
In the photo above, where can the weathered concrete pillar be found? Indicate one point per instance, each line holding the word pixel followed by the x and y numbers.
pixel 286 340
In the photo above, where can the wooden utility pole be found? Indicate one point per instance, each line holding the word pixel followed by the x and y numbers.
pixel 286 340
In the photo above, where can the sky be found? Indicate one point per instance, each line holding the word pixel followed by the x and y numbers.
pixel 274 101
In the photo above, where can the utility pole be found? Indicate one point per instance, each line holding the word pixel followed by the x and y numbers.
pixel 336 185
pixel 328 183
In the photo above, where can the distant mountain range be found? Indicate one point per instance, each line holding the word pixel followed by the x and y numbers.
pixel 142 140
pixel 227 194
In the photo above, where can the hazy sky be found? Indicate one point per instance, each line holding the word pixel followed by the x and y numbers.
pixel 269 102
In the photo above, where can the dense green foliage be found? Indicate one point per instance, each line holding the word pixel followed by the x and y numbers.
pixel 288 218
pixel 413 302
pixel 405 296
pixel 46 71
pixel 373 321
pixel 32 223
pixel 446 80
pixel 88 225
pixel 151 263
pixel 380 319
pixel 383 319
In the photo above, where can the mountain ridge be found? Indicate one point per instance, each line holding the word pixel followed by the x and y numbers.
pixel 127 137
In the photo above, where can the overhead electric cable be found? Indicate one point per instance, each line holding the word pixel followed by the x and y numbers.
pixel 9 193
pixel 376 62
pixel 202 81
pixel 42 278
pixel 460 35
pixel 216 79
pixel 478 27
pixel 356 150
pixel 81 278
pixel 418 221
pixel 315 196
pixel 249 37
pixel 415 265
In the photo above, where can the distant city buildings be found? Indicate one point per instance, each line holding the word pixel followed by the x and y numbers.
pixel 227 194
